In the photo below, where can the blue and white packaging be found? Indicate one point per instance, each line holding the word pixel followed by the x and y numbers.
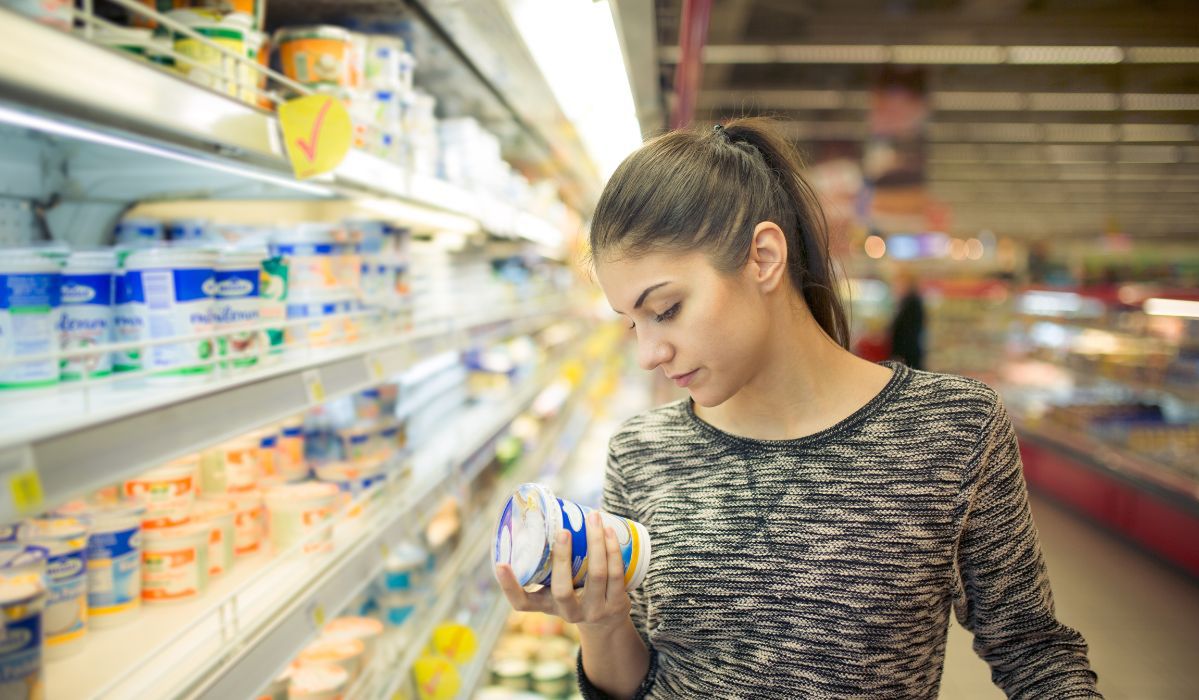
pixel 128 318
pixel 22 608
pixel 114 560
pixel 30 301
pixel 86 320
pixel 138 232
pixel 238 307
pixel 179 286
pixel 65 539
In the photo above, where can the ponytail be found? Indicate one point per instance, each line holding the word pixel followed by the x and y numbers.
pixel 708 190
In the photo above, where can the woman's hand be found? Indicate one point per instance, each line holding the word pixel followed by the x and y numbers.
pixel 602 602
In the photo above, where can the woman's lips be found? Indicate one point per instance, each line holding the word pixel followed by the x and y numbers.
pixel 684 379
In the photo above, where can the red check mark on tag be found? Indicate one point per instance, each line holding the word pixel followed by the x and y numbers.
pixel 310 148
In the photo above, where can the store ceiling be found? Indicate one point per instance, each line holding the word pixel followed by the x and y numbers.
pixel 1022 139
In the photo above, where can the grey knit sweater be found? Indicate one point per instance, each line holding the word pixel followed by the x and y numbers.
pixel 826 566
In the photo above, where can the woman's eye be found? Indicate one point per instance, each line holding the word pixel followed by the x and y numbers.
pixel 668 314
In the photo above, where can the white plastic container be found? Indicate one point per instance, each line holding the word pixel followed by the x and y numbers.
pixel 230 467
pixel 294 510
pixel 167 492
pixel 347 654
pixel 86 320
pixel 139 232
pixel 289 454
pixel 65 540
pixel 313 255
pixel 220 517
pixel 238 307
pixel 353 479
pixel 529 526
pixel 383 61
pixel 326 314
pixel 128 317
pixel 403 569
pixel 248 521
pixel 30 301
pixel 175 563
pixel 179 286
pixel 318 682
pixel 22 608
pixel 268 456
pixel 114 561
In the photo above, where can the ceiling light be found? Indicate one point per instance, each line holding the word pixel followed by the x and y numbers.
pixel 1157 132
pixel 1162 54
pixel 1172 307
pixel 833 53
pixel 1052 55
pixel 977 101
pixel 949 55
pixel 1160 102
pixel 1073 101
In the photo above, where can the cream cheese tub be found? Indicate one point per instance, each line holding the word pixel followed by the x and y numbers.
pixel 231 467
pixel 248 520
pixel 346 654
pixel 289 455
pixel 87 311
pixel 318 682
pixel 30 300
pixel 529 526
pixel 65 617
pixel 296 510
pixel 238 307
pixel 114 560
pixel 220 517
pixel 22 606
pixel 175 563
pixel 179 286
pixel 167 492
pixel 367 630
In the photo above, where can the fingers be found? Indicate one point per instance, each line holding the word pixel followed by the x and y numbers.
pixel 519 598
pixel 561 581
pixel 595 591
pixel 616 572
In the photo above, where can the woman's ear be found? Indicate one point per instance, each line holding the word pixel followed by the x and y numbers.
pixel 768 256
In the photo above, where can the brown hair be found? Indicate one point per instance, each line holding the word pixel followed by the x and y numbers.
pixel 707 190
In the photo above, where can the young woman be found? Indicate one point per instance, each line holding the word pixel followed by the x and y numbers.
pixel 814 516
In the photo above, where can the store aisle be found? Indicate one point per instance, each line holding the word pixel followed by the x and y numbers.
pixel 1140 618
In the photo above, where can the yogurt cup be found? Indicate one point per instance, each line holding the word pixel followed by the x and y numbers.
pixel 383 61
pixel 528 528
pixel 317 55
pixel 114 560
pixel 268 455
pixel 327 323
pixel 175 563
pixel 347 654
pixel 367 630
pixel 357 443
pixel 289 455
pixel 178 285
pixel 248 520
pixel 315 257
pixel 167 492
pixel 294 510
pixel 220 517
pixel 65 618
pixel 238 307
pixel 403 569
pixel 128 317
pixel 274 293
pixel 206 65
pixel 398 607
pixel 134 232
pixel 22 607
pixel 86 320
pixel 352 480
pixel 231 467
pixel 30 301
pixel 317 682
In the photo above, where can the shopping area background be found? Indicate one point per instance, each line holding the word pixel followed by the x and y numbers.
pixel 257 422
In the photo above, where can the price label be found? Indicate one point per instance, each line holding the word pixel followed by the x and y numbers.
pixel 458 643
pixel 19 472
pixel 317 614
pixel 313 386
pixel 436 678
pixel 374 368
pixel 317 132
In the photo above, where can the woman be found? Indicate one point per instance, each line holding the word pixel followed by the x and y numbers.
pixel 814 515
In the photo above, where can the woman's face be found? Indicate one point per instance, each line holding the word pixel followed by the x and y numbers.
pixel 705 330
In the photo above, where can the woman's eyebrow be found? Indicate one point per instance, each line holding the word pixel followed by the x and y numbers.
pixel 641 299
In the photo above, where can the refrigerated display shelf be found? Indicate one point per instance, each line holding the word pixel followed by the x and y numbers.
pixel 71 452
pixel 489 633
pixel 218 647
pixel 147 110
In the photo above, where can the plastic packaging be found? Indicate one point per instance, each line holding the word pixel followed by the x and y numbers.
pixel 238 307
pixel 220 519
pixel 528 528
pixel 65 541
pixel 30 300
pixel 317 682
pixel 167 492
pixel 347 654
pixel 367 630
pixel 175 563
pixel 86 320
pixel 297 509
pixel 114 560
pixel 317 55
pixel 22 608
pixel 179 286
pixel 289 456
pixel 248 521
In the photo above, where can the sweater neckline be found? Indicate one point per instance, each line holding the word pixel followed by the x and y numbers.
pixel 900 374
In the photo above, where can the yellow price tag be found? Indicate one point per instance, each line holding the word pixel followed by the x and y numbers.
pixel 24 484
pixel 436 678
pixel 374 366
pixel 318 616
pixel 458 643
pixel 313 386
pixel 317 132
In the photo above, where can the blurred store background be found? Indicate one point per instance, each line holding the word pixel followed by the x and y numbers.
pixel 311 450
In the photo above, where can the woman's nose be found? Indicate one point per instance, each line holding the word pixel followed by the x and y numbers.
pixel 652 352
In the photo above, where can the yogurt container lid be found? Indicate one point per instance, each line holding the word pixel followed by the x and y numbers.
pixel 175 469
pixel 317 679
pixel 307 233
pixel 319 31
pixel 170 256
pixel 22 572
pixel 105 517
pixel 302 494
pixel 332 650
pixel 94 260
pixel 242 500
pixel 526 528
pixel 406 558
pixel 54 528
pixel 211 509
pixel 28 260
pixel 343 628
pixel 241 258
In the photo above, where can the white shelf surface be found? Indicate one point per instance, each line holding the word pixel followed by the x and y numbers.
pixel 79 445
pixel 258 616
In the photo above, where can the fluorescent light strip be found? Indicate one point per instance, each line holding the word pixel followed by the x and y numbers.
pixel 943 54
pixel 51 126
pixel 1172 307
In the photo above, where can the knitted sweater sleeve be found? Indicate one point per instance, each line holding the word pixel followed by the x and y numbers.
pixel 616 502
pixel 1001 591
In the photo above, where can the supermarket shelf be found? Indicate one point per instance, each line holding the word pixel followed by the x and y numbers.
pixel 148 110
pixel 73 450
pixel 267 610
pixel 489 634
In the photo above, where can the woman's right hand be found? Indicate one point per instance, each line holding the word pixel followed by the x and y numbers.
pixel 602 602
